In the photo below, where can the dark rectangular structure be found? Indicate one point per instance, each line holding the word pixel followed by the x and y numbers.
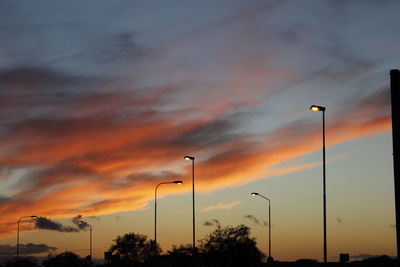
pixel 395 95
pixel 344 257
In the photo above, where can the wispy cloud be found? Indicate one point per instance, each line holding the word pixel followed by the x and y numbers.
pixel 25 249
pixel 252 218
pixel 47 224
pixel 212 222
pixel 220 206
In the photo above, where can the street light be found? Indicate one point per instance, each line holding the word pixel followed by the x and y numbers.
pixel 269 259
pixel 194 224
pixel 19 220
pixel 90 237
pixel 155 211
pixel 316 108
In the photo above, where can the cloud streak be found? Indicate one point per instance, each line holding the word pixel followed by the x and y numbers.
pixel 212 222
pixel 256 221
pixel 25 249
pixel 47 224
pixel 220 206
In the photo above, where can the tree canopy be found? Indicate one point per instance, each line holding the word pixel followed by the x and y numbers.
pixel 65 259
pixel 133 247
pixel 21 262
pixel 231 246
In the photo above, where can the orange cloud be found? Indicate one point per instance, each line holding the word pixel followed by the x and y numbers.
pixel 220 206
pixel 98 160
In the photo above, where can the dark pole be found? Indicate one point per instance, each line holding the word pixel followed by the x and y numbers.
pixel 155 219
pixel 194 221
pixel 316 108
pixel 155 212
pixel 91 259
pixel 324 182
pixel 269 259
pixel 84 225
pixel 269 228
pixel 19 220
pixel 193 201
pixel 395 95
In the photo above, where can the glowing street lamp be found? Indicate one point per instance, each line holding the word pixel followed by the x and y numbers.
pixel 316 108
pixel 193 208
pixel 155 211
pixel 90 237
pixel 19 220
pixel 269 259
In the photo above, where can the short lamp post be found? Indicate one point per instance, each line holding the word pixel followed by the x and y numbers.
pixel 193 203
pixel 155 211
pixel 316 108
pixel 269 259
pixel 19 221
pixel 83 223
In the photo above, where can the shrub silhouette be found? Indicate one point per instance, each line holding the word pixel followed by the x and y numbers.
pixel 231 246
pixel 21 262
pixel 65 259
pixel 134 248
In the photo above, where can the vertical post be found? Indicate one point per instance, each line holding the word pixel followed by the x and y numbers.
pixel 324 183
pixel 90 245
pixel 155 220
pixel 269 228
pixel 155 212
pixel 316 108
pixel 395 97
pixel 193 208
pixel 194 221
pixel 269 259
pixel 18 237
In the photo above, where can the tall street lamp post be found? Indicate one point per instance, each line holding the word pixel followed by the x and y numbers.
pixel 155 212
pixel 194 223
pixel 90 237
pixel 19 220
pixel 316 108
pixel 269 259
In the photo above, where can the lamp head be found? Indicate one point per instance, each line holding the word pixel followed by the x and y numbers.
pixel 188 158
pixel 177 182
pixel 33 216
pixel 254 194
pixel 316 108
pixel 81 222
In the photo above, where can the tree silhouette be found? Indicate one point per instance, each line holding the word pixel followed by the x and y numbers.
pixel 134 247
pixel 231 246
pixel 21 262
pixel 65 259
pixel 180 255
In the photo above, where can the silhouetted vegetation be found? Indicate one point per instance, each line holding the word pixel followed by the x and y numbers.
pixel 224 247
pixel 21 262
pixel 65 259
pixel 231 246
pixel 134 248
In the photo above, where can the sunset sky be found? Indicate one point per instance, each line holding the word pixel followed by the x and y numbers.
pixel 101 100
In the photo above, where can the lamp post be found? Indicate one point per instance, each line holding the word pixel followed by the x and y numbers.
pixel 90 237
pixel 316 108
pixel 19 220
pixel 194 223
pixel 269 259
pixel 155 211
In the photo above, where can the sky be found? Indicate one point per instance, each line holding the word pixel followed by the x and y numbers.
pixel 101 100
